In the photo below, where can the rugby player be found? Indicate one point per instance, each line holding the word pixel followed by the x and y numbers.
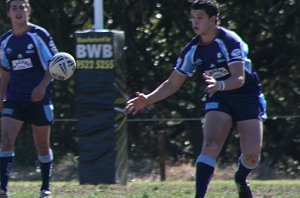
pixel 233 95
pixel 25 91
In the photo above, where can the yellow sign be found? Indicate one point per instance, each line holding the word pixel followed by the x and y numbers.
pixel 95 64
pixel 95 53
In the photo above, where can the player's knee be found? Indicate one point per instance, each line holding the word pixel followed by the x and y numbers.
pixel 251 160
pixel 7 144
pixel 211 146
pixel 42 149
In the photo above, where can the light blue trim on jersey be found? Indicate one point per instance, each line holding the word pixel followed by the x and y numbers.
pixel 44 52
pixel 7 153
pixel 4 61
pixel 206 160
pixel 248 65
pixel 248 62
pixel 223 49
pixel 46 158
pixel 187 66
pixel 244 48
pixel 239 39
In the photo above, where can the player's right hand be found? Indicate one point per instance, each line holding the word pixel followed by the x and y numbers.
pixel 212 85
pixel 1 106
pixel 133 106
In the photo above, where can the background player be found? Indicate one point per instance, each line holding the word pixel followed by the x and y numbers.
pixel 233 94
pixel 26 86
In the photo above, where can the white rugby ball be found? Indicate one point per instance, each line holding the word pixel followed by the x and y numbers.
pixel 62 66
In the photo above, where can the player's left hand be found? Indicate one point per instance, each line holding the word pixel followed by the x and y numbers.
pixel 133 106
pixel 212 85
pixel 38 93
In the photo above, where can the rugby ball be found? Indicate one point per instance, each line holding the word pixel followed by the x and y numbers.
pixel 62 66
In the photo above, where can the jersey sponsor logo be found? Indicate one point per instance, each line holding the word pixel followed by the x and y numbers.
pixel 30 46
pixel 30 49
pixel 198 61
pixel 8 50
pixel 22 64
pixel 217 72
pixel 236 53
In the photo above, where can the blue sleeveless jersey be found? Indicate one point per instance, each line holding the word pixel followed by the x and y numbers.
pixel 26 58
pixel 215 58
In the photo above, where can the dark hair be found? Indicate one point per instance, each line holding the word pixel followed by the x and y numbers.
pixel 211 7
pixel 9 1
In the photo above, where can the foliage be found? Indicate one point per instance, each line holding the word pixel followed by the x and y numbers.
pixel 155 32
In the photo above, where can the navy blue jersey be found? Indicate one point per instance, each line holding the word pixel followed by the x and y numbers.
pixel 215 58
pixel 26 58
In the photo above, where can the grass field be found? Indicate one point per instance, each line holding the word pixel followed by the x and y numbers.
pixel 217 188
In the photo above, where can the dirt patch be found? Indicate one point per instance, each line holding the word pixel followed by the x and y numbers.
pixel 65 171
pixel 143 170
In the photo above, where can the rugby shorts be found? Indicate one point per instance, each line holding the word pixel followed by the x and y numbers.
pixel 239 107
pixel 30 112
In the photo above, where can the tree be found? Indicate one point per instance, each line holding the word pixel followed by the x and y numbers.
pixel 155 32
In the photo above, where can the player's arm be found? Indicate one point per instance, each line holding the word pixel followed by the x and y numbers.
pixel 38 92
pixel 167 88
pixel 46 80
pixel 3 85
pixel 164 90
pixel 236 80
pixel 47 53
pixel 238 51
pixel 4 76
pixel 47 50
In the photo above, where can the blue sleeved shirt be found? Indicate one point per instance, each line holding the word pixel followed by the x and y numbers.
pixel 26 58
pixel 215 58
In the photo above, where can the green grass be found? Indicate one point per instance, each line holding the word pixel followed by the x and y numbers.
pixel 217 188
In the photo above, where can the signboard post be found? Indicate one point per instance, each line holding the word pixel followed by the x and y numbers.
pixel 102 133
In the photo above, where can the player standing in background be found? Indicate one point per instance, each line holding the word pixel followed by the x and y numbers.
pixel 25 91
pixel 233 95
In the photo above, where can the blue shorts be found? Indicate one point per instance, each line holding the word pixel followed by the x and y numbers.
pixel 239 107
pixel 30 112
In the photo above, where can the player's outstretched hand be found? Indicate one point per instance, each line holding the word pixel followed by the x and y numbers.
pixel 133 106
pixel 212 85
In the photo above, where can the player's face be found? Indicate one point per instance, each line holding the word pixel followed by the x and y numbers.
pixel 201 22
pixel 18 12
